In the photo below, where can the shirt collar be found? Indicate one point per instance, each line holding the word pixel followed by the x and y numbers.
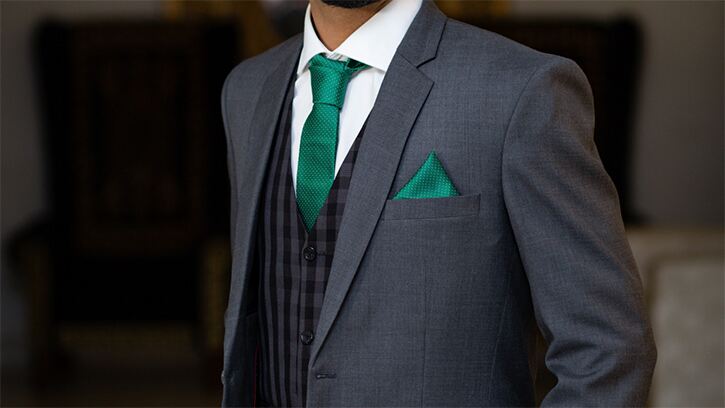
pixel 373 43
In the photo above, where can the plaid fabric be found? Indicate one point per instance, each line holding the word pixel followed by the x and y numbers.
pixel 291 285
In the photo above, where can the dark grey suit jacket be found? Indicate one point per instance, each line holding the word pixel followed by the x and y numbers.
pixel 434 302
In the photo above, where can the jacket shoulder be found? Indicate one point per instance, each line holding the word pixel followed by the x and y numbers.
pixel 492 51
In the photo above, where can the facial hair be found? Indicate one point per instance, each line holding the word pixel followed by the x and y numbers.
pixel 349 4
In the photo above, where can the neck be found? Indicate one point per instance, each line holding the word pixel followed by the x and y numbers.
pixel 334 24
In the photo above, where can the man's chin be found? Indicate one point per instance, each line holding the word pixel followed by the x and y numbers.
pixel 350 4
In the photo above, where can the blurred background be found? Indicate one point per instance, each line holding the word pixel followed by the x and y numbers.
pixel 115 260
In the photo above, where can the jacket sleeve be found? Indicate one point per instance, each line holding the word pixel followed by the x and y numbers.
pixel 231 165
pixel 564 212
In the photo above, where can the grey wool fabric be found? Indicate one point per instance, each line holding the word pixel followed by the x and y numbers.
pixel 435 302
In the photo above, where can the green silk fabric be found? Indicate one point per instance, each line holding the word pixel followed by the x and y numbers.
pixel 318 144
pixel 430 181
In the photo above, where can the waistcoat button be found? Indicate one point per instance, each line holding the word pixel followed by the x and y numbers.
pixel 309 253
pixel 306 337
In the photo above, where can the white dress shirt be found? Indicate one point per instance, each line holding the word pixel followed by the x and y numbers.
pixel 374 43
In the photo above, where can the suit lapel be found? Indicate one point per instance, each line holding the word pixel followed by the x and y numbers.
pixel 402 95
pixel 259 144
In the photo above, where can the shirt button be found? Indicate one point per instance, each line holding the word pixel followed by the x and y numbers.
pixel 306 337
pixel 309 253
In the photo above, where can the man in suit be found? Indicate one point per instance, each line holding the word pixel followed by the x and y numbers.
pixel 408 209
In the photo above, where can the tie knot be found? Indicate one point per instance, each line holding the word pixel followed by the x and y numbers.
pixel 330 78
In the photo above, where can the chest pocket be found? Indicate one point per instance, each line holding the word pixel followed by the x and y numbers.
pixel 422 208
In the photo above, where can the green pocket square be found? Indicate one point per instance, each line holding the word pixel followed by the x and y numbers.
pixel 430 181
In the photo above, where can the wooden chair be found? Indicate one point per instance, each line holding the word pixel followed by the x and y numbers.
pixel 136 238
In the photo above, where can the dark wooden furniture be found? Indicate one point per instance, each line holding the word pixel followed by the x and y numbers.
pixel 136 239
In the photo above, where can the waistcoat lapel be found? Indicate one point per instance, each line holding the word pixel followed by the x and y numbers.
pixel 402 94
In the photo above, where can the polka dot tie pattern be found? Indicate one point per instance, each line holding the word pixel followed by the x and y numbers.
pixel 430 181
pixel 318 144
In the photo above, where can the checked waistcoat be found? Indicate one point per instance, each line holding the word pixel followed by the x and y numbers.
pixel 293 267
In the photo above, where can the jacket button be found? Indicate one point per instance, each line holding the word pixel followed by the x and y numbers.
pixel 309 253
pixel 323 376
pixel 306 337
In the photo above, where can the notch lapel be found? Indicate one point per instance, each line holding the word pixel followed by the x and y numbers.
pixel 252 171
pixel 401 96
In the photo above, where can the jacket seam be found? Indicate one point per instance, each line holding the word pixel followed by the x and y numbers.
pixel 513 114
pixel 498 337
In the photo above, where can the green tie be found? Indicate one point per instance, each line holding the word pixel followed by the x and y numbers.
pixel 318 145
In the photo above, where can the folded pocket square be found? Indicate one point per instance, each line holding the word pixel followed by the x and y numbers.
pixel 430 181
